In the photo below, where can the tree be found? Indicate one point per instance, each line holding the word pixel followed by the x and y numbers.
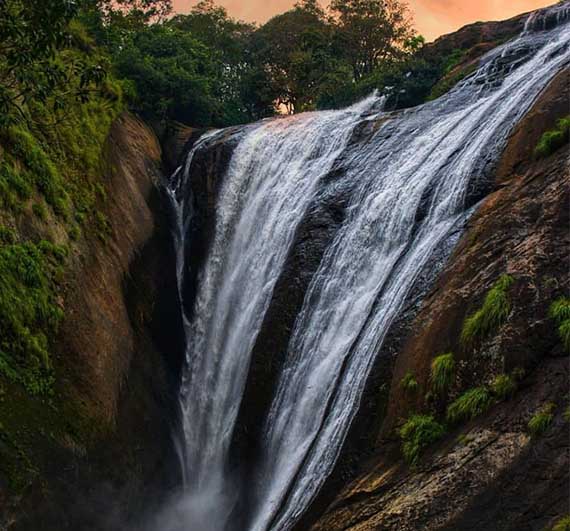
pixel 294 50
pixel 31 34
pixel 370 32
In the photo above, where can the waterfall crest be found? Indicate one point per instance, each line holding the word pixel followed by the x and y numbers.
pixel 408 186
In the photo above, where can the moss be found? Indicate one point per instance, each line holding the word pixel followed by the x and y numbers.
pixel 409 383
pixel 503 386
pixel 560 312
pixel 566 414
pixel 442 373
pixel 419 432
pixel 553 140
pixel 494 312
pixel 7 235
pixel 29 313
pixel 541 420
pixel 563 524
pixel 40 210
pixel 469 405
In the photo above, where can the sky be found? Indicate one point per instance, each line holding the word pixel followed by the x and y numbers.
pixel 432 17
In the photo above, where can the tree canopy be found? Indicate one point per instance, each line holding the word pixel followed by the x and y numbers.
pixel 205 67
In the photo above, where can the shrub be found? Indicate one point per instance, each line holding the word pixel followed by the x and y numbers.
pixel 503 386
pixel 541 420
pixel 442 373
pixel 491 315
pixel 469 405
pixel 560 312
pixel 409 383
pixel 553 140
pixel 7 235
pixel 418 433
pixel 40 211
pixel 29 312
pixel 563 524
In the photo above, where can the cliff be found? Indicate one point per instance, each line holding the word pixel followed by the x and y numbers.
pixel 89 454
pixel 490 472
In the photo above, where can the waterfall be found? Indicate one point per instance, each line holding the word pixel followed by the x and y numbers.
pixel 408 185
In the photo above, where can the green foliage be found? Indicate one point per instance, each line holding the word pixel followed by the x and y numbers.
pixel 7 235
pixel 469 405
pixel 34 65
pixel 442 373
pixel 409 383
pixel 541 420
pixel 563 524
pixel 553 140
pixel 560 312
pixel 40 211
pixel 503 386
pixel 417 434
pixel 494 312
pixel 29 312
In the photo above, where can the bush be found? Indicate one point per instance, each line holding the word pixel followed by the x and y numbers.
pixel 563 524
pixel 469 405
pixel 29 312
pixel 560 312
pixel 418 433
pixel 553 140
pixel 541 420
pixel 503 386
pixel 491 315
pixel 409 383
pixel 442 373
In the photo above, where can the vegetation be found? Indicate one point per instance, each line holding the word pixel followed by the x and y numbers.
pixel 563 524
pixel 553 140
pixel 442 373
pixel 469 405
pixel 409 383
pixel 541 420
pixel 560 312
pixel 417 434
pixel 494 312
pixel 503 386
pixel 29 312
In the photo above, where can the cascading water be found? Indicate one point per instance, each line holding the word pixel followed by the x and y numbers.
pixel 408 186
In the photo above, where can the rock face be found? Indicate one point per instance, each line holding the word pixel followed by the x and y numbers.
pixel 488 473
pixel 117 357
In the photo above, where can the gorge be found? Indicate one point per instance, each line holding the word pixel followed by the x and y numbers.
pixel 409 181
pixel 353 317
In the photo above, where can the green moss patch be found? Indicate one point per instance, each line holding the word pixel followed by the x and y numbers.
pixel 541 420
pixel 29 312
pixel 469 405
pixel 419 432
pixel 442 373
pixel 409 383
pixel 560 312
pixel 553 140
pixel 494 312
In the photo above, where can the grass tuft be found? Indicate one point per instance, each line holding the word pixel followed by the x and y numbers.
pixel 553 140
pixel 563 524
pixel 417 434
pixel 560 312
pixel 469 405
pixel 491 315
pixel 408 383
pixel 541 420
pixel 442 373
pixel 503 386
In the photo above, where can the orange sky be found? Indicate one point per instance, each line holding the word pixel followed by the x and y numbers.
pixel 432 17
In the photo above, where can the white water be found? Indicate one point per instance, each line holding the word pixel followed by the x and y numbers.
pixel 407 187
